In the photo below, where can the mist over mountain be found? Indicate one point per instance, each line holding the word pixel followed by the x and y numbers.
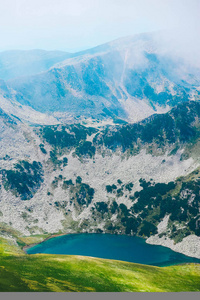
pixel 130 78
pixel 17 63
pixel 10 105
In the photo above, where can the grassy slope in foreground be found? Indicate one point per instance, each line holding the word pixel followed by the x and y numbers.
pixel 63 273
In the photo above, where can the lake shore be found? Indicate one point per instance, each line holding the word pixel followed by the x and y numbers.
pixel 141 253
pixel 189 246
pixel 48 238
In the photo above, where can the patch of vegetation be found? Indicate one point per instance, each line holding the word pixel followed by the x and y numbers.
pixel 81 194
pixel 157 200
pixel 54 159
pixel 119 121
pixel 6 157
pixel 179 234
pixel 54 183
pixel 42 148
pixel 65 161
pixel 78 179
pixel 66 136
pixel 24 180
pixel 175 127
pixel 58 138
pixel 101 207
pixel 147 229
pixel 9 121
pixel 114 207
pixel 85 149
pixel 180 200
pixel 120 192
pixel 129 186
pixel 58 163
pixel 119 188
pixel 111 188
pixel 67 183
pixel 61 205
pixel 84 194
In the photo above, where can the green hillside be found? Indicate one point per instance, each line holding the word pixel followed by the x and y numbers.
pixel 62 273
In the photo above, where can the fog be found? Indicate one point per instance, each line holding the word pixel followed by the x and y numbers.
pixel 73 25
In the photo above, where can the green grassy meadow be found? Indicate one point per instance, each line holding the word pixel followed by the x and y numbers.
pixel 20 272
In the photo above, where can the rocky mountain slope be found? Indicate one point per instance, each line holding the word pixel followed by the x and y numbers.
pixel 9 104
pixel 140 178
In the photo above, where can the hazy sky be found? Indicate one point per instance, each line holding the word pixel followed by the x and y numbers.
pixel 73 25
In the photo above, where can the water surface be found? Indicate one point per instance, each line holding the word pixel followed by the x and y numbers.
pixel 119 247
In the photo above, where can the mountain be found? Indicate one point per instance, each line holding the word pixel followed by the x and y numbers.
pixel 105 140
pixel 17 63
pixel 139 179
pixel 9 104
pixel 129 79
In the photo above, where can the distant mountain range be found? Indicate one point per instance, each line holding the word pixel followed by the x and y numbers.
pixel 17 63
pixel 130 79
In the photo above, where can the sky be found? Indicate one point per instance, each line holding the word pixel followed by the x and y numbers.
pixel 75 25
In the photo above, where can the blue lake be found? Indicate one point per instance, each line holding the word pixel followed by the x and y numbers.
pixel 119 247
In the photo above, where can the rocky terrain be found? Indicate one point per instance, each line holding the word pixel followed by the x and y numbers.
pixel 104 141
pixel 115 178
